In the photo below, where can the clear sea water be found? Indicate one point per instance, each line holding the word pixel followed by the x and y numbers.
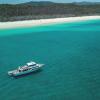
pixel 70 52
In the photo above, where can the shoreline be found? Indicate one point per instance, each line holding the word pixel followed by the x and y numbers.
pixel 30 23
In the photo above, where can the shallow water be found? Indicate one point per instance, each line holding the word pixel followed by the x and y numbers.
pixel 70 52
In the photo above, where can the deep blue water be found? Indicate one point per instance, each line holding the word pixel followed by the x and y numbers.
pixel 70 52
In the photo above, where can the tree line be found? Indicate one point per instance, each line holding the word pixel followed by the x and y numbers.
pixel 27 11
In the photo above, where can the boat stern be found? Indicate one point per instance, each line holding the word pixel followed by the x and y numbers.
pixel 10 73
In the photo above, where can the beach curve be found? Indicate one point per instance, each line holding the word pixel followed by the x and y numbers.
pixel 30 23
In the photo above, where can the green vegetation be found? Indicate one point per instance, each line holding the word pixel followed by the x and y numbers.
pixel 39 10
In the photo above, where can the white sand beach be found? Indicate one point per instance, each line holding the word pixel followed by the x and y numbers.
pixel 30 23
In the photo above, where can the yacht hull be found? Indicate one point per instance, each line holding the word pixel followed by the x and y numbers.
pixel 26 72
pixel 26 69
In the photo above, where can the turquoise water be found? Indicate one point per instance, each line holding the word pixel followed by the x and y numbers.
pixel 70 52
